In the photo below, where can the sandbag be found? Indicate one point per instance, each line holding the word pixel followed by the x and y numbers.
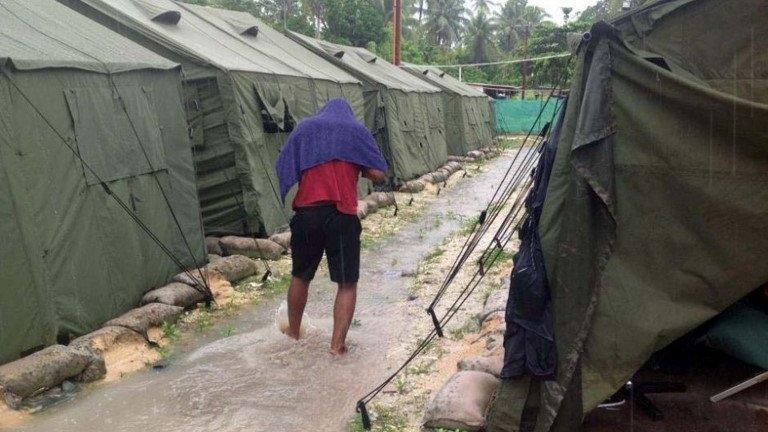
pixel 454 166
pixel 362 209
pixel 40 371
pixel 428 178
pixel 250 247
pixel 372 203
pixel 174 294
pixel 213 257
pixel 194 277
pixel 384 199
pixel 283 239
pixel 475 154
pixel 413 186
pixel 234 267
pixel 212 246
pixel 440 176
pixel 490 364
pixel 101 340
pixel 462 402
pixel 150 315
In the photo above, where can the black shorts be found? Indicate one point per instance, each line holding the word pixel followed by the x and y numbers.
pixel 315 230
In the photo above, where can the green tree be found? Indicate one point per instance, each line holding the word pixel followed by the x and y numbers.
pixel 445 21
pixel 355 22
pixel 479 34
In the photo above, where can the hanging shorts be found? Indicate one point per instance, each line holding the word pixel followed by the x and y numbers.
pixel 323 229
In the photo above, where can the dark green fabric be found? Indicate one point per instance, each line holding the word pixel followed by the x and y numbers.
pixel 240 87
pixel 655 215
pixel 72 259
pixel 404 112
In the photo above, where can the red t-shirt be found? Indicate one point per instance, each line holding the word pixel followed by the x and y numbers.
pixel 334 181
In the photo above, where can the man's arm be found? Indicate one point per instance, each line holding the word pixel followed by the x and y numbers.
pixel 374 175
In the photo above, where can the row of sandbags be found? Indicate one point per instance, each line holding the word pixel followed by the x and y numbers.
pixel 477 155
pixel 277 245
pixel 464 400
pixel 83 359
pixel 440 175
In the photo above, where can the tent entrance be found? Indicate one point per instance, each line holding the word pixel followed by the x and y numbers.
pixel 219 188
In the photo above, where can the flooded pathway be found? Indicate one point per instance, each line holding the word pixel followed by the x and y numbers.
pixel 257 379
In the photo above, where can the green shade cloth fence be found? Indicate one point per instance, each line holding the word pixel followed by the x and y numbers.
pixel 515 116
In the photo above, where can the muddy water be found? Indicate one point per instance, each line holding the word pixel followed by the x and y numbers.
pixel 258 380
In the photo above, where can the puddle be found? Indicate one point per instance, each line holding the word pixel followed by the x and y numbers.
pixel 259 380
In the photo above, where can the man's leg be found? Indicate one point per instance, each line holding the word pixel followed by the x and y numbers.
pixel 343 311
pixel 297 300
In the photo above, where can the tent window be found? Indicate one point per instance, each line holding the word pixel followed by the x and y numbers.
pixel 275 114
pixel 116 142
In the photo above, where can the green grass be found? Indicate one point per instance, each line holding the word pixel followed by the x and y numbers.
pixel 204 320
pixel 356 322
pixel 171 331
pixel 400 384
pixel 275 285
pixel 419 368
pixel 496 255
pixel 367 241
pixel 384 419
pixel 468 226
pixel 228 331
pixel 251 283
pixel 434 255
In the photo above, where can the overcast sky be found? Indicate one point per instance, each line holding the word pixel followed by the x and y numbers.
pixel 553 6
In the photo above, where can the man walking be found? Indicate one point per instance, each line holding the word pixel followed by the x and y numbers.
pixel 326 155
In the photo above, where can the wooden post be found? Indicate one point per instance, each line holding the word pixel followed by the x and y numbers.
pixel 397 31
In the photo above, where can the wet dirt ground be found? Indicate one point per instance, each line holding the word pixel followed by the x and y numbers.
pixel 258 380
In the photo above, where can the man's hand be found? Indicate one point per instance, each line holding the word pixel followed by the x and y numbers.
pixel 374 175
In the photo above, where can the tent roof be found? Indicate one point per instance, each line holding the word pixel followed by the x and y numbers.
pixel 271 43
pixel 445 81
pixel 370 65
pixel 44 34
pixel 195 33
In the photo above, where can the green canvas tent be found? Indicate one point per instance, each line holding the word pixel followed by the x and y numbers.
pixel 404 113
pixel 467 111
pixel 71 257
pixel 655 216
pixel 247 85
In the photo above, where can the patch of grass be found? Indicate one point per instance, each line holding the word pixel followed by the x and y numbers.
pixel 496 256
pixel 459 332
pixel 275 285
pixel 420 368
pixel 230 308
pixel 356 322
pixel 228 331
pixel 367 241
pixel 204 320
pixel 400 384
pixel 249 284
pixel 468 226
pixel 171 331
pixel 434 255
pixel 384 419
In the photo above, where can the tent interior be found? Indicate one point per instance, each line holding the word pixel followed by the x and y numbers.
pixel 404 113
pixel 467 111
pixel 649 246
pixel 246 87
pixel 93 145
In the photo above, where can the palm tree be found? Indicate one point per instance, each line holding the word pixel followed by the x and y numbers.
pixel 517 21
pixel 479 33
pixel 445 21
pixel 484 5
